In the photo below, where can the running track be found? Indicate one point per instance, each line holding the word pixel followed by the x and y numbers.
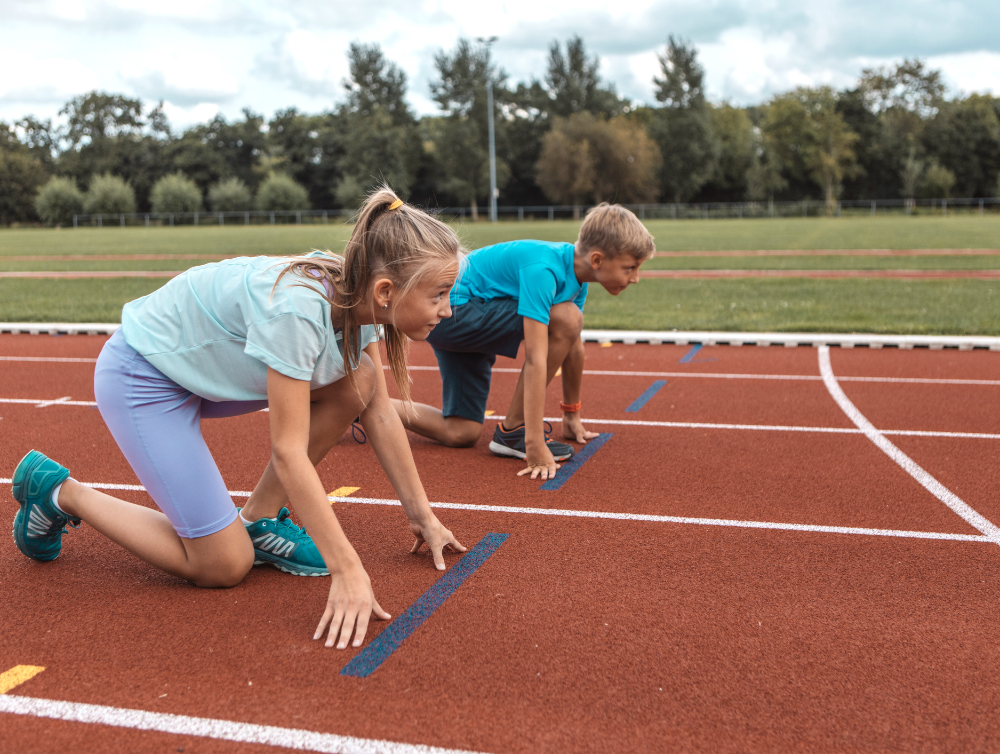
pixel 739 567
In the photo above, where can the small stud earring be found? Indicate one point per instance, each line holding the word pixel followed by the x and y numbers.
pixel 384 307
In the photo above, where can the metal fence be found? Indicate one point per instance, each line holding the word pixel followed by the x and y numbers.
pixel 705 211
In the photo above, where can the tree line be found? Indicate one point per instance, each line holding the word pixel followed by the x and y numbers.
pixel 569 138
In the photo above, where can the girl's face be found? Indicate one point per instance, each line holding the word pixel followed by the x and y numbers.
pixel 425 305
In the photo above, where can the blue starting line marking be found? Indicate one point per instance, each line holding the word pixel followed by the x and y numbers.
pixel 690 355
pixel 643 399
pixel 378 650
pixel 572 466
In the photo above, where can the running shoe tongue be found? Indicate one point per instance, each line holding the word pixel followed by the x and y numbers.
pixel 283 514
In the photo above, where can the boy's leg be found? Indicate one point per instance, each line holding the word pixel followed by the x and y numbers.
pixel 465 379
pixel 565 326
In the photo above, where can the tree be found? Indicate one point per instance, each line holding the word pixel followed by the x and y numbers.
pixel 811 140
pixel 108 133
pixel 230 195
pixel 587 157
pixel 280 192
pixel 379 133
pixel 58 200
pixel 734 135
pixel 964 137
pixel 309 148
pixel 461 137
pixel 888 109
pixel 937 182
pixel 573 85
pixel 215 150
pixel 683 127
pixel 175 193
pixel 109 195
pixel 20 176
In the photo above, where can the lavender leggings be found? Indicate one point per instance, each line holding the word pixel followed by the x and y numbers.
pixel 157 425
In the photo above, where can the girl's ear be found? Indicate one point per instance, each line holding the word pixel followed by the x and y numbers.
pixel 382 291
pixel 596 258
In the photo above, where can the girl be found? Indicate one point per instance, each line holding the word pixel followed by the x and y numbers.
pixel 296 336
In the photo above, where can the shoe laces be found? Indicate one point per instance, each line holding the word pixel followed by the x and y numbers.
pixel 288 528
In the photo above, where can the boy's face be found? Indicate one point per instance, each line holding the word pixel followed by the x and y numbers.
pixel 614 273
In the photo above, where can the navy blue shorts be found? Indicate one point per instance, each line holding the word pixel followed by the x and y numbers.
pixel 466 346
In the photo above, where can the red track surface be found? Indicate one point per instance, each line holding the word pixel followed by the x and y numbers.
pixel 578 634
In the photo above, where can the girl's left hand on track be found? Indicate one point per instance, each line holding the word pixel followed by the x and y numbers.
pixel 436 537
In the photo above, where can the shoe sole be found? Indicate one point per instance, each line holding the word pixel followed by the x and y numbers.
pixel 502 450
pixel 259 559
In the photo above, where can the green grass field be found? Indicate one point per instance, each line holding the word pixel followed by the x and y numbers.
pixel 885 306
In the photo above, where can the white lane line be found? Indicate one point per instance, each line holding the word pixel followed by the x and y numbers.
pixel 910 466
pixel 47 358
pixel 616 373
pixel 42 403
pixel 740 376
pixel 223 730
pixel 679 520
pixel 609 516
pixel 638 423
pixel 774 428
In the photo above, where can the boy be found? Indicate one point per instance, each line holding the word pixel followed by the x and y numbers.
pixel 532 291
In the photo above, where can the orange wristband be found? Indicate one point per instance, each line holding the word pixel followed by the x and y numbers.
pixel 571 408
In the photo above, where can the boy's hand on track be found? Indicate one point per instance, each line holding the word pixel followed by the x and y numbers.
pixel 574 431
pixel 540 464
pixel 437 538
pixel 349 608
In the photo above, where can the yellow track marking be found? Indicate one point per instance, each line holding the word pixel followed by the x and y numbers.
pixel 342 492
pixel 17 675
pixel 559 372
pixel 490 413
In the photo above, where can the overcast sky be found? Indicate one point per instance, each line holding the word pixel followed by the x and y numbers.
pixel 206 56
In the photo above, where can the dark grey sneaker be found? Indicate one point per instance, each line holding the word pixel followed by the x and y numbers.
pixel 510 443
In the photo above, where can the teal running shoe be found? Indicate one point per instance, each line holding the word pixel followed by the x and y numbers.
pixel 284 545
pixel 39 525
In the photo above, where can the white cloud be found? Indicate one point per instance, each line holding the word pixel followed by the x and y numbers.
pixel 183 117
pixel 29 79
pixel 182 79
pixel 970 71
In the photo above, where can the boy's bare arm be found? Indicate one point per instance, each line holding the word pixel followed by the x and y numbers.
pixel 572 385
pixel 540 463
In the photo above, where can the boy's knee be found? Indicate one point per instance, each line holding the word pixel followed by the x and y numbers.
pixel 566 320
pixel 462 434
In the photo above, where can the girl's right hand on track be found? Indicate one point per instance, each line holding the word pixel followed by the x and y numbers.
pixel 349 608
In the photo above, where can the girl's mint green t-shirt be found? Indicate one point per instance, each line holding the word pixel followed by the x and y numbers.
pixel 216 328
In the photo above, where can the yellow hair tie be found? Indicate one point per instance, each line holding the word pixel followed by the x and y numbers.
pixel 396 204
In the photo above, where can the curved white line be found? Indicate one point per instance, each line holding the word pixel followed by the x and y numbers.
pixel 910 466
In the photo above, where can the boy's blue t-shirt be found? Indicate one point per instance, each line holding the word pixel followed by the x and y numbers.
pixel 539 274
pixel 215 329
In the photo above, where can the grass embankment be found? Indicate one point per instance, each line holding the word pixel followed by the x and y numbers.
pixel 890 306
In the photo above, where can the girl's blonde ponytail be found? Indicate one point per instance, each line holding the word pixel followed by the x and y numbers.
pixel 390 239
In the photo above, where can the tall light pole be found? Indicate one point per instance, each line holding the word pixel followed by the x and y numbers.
pixel 488 42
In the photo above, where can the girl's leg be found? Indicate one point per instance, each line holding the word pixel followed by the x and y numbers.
pixel 156 423
pixel 216 560
pixel 333 409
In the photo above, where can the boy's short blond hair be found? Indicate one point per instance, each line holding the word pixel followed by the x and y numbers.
pixel 615 231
